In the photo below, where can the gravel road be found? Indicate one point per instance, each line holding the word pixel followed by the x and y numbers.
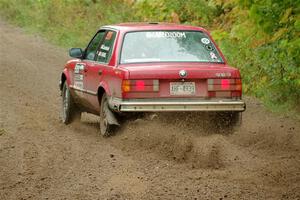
pixel 163 156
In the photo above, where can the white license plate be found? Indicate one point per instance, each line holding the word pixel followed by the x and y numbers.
pixel 182 88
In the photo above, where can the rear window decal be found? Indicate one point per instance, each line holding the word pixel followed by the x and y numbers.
pixel 209 47
pixel 165 35
pixel 205 41
pixel 213 55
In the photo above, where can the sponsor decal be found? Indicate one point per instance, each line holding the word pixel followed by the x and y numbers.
pixel 102 54
pixel 209 47
pixel 213 56
pixel 78 67
pixel 161 34
pixel 205 40
pixel 78 77
pixel 105 48
pixel 78 85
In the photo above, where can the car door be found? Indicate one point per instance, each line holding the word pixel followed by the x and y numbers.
pixel 81 68
pixel 98 71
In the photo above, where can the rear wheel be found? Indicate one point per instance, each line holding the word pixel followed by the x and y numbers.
pixel 69 111
pixel 106 129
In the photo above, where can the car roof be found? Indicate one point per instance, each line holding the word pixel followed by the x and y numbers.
pixel 140 26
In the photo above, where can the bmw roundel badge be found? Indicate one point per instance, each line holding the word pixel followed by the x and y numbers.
pixel 182 73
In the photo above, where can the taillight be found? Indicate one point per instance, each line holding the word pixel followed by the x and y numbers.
pixel 125 85
pixel 224 87
pixel 140 85
pixel 225 84
pixel 238 83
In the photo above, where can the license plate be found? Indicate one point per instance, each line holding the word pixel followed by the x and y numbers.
pixel 182 88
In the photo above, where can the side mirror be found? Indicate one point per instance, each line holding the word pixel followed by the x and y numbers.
pixel 76 53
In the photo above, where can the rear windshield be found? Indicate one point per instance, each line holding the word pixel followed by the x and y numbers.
pixel 168 46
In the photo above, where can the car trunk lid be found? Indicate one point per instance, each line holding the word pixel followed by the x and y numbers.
pixel 171 70
pixel 182 80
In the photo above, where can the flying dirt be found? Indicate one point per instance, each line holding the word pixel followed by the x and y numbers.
pixel 155 156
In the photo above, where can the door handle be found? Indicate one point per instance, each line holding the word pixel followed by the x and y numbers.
pixel 100 72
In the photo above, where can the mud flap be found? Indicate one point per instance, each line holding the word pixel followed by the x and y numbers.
pixel 111 118
pixel 239 120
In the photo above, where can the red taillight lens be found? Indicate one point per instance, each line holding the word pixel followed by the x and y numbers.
pixel 225 84
pixel 140 85
pixel 224 87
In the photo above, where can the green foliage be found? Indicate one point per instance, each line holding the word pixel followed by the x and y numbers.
pixel 264 44
pixel 260 37
pixel 188 11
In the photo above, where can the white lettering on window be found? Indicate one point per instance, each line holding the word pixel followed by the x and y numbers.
pixel 165 34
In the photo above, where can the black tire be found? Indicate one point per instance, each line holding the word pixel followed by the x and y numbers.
pixel 69 111
pixel 106 129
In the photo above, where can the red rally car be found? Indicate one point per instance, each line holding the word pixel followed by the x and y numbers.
pixel 149 67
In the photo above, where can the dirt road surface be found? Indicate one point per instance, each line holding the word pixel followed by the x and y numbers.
pixel 163 156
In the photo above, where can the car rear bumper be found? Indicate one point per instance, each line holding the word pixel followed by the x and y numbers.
pixel 154 105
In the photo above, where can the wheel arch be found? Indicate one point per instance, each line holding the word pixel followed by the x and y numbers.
pixel 102 88
pixel 100 93
pixel 63 78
